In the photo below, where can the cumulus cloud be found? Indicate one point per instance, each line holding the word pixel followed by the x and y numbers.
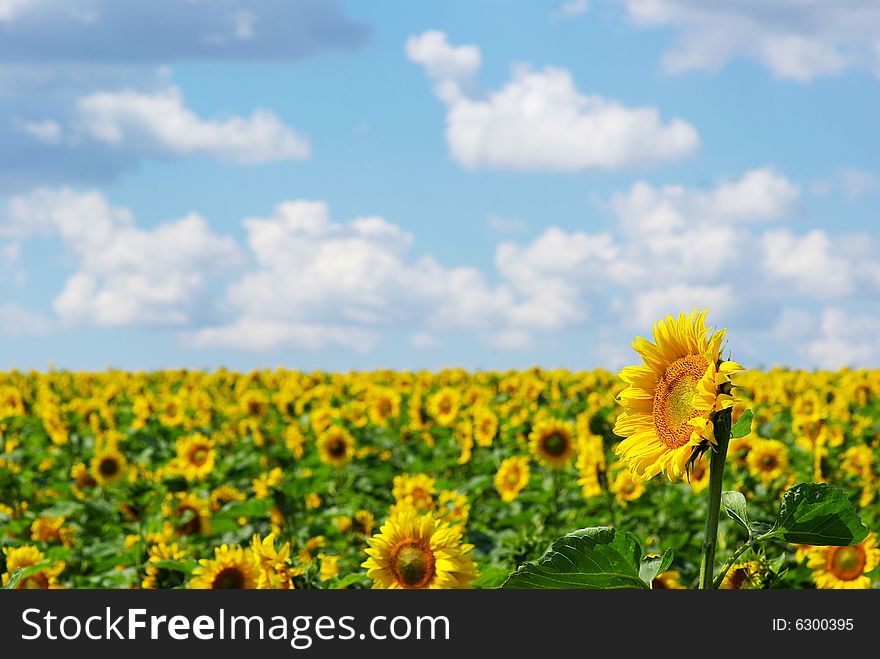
pixel 846 339
pixel 808 263
pixel 18 321
pixel 315 274
pixel 124 275
pixel 792 38
pixel 539 120
pixel 160 124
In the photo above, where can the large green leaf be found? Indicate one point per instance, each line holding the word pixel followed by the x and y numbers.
pixel 595 557
pixel 818 514
pixel 735 505
pixel 743 426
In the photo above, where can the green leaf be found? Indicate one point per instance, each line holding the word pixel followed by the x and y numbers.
pixel 735 505
pixel 23 573
pixel 743 426
pixel 252 508
pixel 62 509
pixel 654 565
pixel 595 557
pixel 818 514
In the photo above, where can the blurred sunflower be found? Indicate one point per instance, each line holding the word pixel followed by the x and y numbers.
pixel 443 406
pixel 336 446
pixel 552 443
pixel 415 489
pixel 28 556
pixel 231 568
pixel 413 551
pixel 107 465
pixel 512 477
pixel 744 576
pixel 626 487
pixel 195 457
pixel 669 400
pixel 767 460
pixel 845 567
pixel 669 580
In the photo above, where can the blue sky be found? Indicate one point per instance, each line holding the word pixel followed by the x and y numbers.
pixel 352 185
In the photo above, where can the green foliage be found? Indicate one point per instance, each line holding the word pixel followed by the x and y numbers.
pixel 818 514
pixel 735 505
pixel 743 426
pixel 595 557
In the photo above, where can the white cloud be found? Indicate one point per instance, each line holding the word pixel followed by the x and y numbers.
pixel 47 132
pixel 807 263
pixel 256 335
pixel 795 39
pixel 858 182
pixel 506 224
pixel 570 9
pixel 759 195
pixel 160 124
pixel 423 340
pixel 10 8
pixel 449 66
pixel 315 273
pixel 540 121
pixel 124 275
pixel 652 305
pixel 16 321
pixel 847 339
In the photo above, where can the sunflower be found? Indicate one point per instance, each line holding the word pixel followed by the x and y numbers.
pixel 384 406
pixel 414 551
pixel 232 567
pixel 107 465
pixel 552 443
pixel 51 529
pixel 767 460
pixel 670 399
pixel 157 577
pixel 336 446
pixel 190 514
pixel 195 457
pixel 744 576
pixel 512 477
pixel 224 494
pixel 416 489
pixel 845 567
pixel 254 404
pixel 27 556
pixel 669 580
pixel 443 406
pixel 274 564
pixel 626 487
pixel 485 426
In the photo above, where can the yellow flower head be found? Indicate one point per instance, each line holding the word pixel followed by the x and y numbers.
pixel 231 567
pixel 552 442
pixel 414 551
pixel 669 401
pixel 845 567
pixel 512 477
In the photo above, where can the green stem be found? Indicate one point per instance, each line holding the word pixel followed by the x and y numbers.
pixel 716 479
pixel 739 552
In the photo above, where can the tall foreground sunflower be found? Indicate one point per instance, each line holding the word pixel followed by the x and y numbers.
pixel 670 399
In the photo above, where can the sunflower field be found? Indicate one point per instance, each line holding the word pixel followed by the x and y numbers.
pixel 286 479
